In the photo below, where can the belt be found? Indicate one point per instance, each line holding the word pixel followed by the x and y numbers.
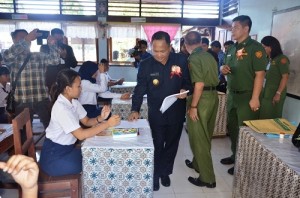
pixel 209 88
pixel 240 92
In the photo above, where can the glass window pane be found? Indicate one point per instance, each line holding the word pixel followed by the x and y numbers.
pixel 37 6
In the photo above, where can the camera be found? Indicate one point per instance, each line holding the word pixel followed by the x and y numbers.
pixel 42 36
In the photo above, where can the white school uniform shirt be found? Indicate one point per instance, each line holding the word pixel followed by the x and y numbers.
pixel 88 92
pixel 3 94
pixel 103 79
pixel 65 117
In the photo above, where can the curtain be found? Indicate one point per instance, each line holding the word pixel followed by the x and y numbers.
pixel 31 25
pixel 124 31
pixel 170 29
pixel 81 30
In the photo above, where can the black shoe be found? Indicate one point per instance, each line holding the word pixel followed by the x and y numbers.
pixel 189 164
pixel 156 184
pixel 231 171
pixel 227 161
pixel 198 182
pixel 165 181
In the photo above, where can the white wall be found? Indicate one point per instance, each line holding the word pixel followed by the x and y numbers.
pixel 261 13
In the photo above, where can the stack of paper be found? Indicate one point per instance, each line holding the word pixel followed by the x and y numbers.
pixel 277 126
pixel 169 100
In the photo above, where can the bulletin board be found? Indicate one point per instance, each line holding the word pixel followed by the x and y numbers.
pixel 286 28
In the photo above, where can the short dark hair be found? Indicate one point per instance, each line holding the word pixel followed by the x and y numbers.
pixel 229 43
pixel 192 38
pixel 161 35
pixel 274 44
pixel 4 70
pixel 14 34
pixel 244 20
pixel 103 60
pixel 57 31
pixel 205 40
pixel 143 42
pixel 216 44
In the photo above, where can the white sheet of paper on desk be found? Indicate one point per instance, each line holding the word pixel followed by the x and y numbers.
pixel 169 100
pixel 140 123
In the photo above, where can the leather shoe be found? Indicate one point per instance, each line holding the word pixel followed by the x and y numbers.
pixel 227 161
pixel 198 182
pixel 231 171
pixel 189 164
pixel 156 185
pixel 165 181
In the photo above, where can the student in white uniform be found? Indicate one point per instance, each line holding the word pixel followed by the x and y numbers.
pixel 88 96
pixel 4 90
pixel 104 79
pixel 59 156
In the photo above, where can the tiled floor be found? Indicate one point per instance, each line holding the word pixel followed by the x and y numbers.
pixel 180 187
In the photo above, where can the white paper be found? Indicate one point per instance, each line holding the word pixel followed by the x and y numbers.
pixel 169 100
pixel 140 123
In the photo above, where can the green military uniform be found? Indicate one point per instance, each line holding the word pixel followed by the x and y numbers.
pixel 278 66
pixel 203 68
pixel 244 59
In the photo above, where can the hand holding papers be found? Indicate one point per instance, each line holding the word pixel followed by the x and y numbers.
pixel 169 100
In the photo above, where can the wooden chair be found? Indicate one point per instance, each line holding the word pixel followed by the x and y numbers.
pixel 63 186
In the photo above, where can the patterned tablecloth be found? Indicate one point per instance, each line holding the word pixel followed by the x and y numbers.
pixel 125 87
pixel 118 167
pixel 123 108
pixel 221 120
pixel 266 167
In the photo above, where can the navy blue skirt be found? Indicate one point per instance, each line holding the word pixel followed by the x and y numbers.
pixel 59 160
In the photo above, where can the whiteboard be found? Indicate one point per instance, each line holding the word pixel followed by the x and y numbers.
pixel 286 28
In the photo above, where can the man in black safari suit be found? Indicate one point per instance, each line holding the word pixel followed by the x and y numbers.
pixel 159 76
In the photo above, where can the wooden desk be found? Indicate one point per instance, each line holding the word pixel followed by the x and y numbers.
pixel 266 167
pixel 6 138
pixel 118 167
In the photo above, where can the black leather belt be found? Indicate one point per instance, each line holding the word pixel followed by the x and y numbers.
pixel 209 88
pixel 240 92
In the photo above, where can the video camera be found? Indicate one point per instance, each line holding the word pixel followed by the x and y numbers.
pixel 42 37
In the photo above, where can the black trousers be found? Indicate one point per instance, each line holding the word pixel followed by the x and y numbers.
pixel 165 139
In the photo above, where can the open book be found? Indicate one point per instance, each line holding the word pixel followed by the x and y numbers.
pixel 169 100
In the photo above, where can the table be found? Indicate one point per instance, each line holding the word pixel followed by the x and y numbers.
pixel 118 167
pixel 125 87
pixel 6 138
pixel 123 108
pixel 221 120
pixel 266 167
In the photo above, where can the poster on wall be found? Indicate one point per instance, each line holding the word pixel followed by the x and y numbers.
pixel 286 28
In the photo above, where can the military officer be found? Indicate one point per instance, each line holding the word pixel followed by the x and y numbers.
pixel 159 76
pixel 245 66
pixel 202 109
pixel 277 75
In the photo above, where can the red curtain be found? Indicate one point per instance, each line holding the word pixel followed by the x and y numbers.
pixel 151 29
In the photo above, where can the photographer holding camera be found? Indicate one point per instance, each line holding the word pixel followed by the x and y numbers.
pixel 31 91
pixel 67 58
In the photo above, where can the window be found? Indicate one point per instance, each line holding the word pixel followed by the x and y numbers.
pixel 230 7
pixel 123 8
pixel 48 7
pixel 7 6
pixel 37 7
pixel 123 38
pixel 165 8
pixel 201 9
pixel 78 7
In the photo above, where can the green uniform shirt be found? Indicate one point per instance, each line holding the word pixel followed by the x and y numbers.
pixel 203 68
pixel 244 59
pixel 278 66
